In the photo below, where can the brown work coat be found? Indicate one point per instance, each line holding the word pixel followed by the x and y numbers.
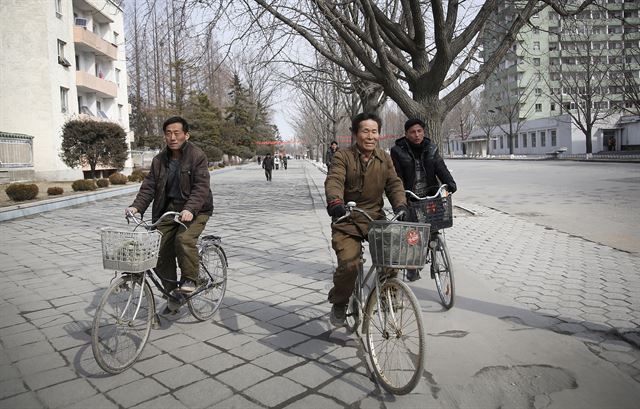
pixel 351 180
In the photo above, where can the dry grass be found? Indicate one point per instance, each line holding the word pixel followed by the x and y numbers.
pixel 42 192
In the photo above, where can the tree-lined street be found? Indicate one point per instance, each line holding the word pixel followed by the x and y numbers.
pixel 542 318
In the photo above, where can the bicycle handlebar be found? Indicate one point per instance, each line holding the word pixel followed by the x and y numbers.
pixel 351 207
pixel 139 222
pixel 442 191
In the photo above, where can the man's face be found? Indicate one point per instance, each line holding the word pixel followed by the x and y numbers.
pixel 174 136
pixel 334 146
pixel 415 134
pixel 367 135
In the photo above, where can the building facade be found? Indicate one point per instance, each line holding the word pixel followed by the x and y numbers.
pixel 63 59
pixel 586 67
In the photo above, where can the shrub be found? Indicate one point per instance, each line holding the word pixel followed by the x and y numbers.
pixel 55 190
pixel 83 184
pixel 221 165
pixel 102 182
pixel 20 191
pixel 118 179
pixel 137 175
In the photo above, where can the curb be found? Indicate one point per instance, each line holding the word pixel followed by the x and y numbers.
pixel 28 209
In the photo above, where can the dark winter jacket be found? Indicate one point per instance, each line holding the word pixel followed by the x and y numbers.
pixel 194 183
pixel 434 168
pixel 267 163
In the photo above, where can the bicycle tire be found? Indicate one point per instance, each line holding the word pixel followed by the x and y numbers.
pixel 116 340
pixel 396 341
pixel 353 314
pixel 205 304
pixel 443 273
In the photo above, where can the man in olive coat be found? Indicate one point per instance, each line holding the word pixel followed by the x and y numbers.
pixel 362 173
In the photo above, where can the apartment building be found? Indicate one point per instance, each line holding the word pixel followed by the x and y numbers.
pixel 557 65
pixel 62 59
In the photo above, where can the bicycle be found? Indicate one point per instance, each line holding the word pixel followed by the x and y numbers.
pixel 437 210
pixel 127 309
pixel 391 315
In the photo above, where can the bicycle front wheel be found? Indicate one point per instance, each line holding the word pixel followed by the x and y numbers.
pixel 212 279
pixel 395 336
pixel 443 272
pixel 122 323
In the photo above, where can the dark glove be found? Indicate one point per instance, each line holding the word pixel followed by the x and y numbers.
pixel 402 208
pixel 337 210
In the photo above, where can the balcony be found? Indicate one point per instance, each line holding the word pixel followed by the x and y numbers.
pixel 92 84
pixel 87 41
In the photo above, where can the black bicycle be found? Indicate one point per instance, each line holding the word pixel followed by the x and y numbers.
pixel 127 310
pixel 437 211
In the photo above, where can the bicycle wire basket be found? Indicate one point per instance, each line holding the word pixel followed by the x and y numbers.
pixel 130 251
pixel 398 244
pixel 437 212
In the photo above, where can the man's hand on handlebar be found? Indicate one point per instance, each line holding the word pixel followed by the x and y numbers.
pixel 186 216
pixel 401 212
pixel 130 211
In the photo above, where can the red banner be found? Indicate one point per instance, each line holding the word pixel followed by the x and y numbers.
pixel 344 139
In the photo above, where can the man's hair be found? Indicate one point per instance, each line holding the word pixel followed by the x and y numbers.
pixel 413 121
pixel 364 116
pixel 332 142
pixel 174 120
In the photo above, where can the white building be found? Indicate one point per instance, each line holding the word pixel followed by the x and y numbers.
pixel 61 59
pixel 546 73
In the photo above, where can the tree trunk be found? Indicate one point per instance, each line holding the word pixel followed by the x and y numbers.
pixel 588 137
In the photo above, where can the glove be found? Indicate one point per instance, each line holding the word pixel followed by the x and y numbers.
pixel 337 210
pixel 402 208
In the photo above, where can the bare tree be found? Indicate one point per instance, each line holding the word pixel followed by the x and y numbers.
pixel 391 45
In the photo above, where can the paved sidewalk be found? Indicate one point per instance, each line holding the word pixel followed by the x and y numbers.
pixel 522 334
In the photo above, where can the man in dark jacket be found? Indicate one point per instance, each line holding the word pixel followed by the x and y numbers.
pixel 420 166
pixel 178 181
pixel 333 148
pixel 267 165
pixel 363 174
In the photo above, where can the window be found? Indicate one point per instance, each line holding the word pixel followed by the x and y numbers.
pixel 502 142
pixel 538 91
pixel 536 30
pixel 120 113
pixel 554 141
pixel 553 106
pixel 61 60
pixel 543 138
pixel 494 144
pixel 524 140
pixel 614 29
pixel 115 38
pixel 615 45
pixel 516 141
pixel 536 45
pixel 533 139
pixel 118 76
pixel 536 62
pixel 553 46
pixel 58 8
pixel 64 99
pixel 538 107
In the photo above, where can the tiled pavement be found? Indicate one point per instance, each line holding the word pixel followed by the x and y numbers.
pixel 271 344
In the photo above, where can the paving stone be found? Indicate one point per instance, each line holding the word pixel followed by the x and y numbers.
pixel 136 392
pixel 108 382
pixel 181 376
pixel 22 338
pixel 204 394
pixel 238 402
pixel 157 364
pixel 311 374
pixel 231 340
pixel 315 401
pixel 40 363
pixel 164 401
pixel 11 387
pixel 618 357
pixel 174 342
pixel 243 376
pixel 277 361
pixel 349 389
pixel 66 393
pixel 285 339
pixel 314 348
pixel 274 391
pixel 195 352
pixel 252 350
pixel 616 345
pixel 47 378
pixel 94 402
pixel 23 401
pixel 218 363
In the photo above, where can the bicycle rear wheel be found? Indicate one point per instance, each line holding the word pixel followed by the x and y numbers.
pixel 443 272
pixel 395 336
pixel 204 304
pixel 122 323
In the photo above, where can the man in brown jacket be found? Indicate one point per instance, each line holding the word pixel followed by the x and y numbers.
pixel 178 181
pixel 361 174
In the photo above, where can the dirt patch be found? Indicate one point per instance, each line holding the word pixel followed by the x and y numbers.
pixel 42 192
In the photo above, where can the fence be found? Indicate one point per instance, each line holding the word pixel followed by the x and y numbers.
pixel 16 150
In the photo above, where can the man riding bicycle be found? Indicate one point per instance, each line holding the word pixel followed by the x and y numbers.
pixel 420 166
pixel 178 181
pixel 361 174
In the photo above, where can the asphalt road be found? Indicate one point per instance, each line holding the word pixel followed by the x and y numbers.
pixel 594 200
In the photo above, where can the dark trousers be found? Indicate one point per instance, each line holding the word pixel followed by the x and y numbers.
pixel 180 243
pixel 348 249
pixel 267 173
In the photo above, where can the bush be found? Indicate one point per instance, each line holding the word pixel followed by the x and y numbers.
pixel 20 191
pixel 221 165
pixel 55 191
pixel 81 185
pixel 102 182
pixel 137 175
pixel 118 179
